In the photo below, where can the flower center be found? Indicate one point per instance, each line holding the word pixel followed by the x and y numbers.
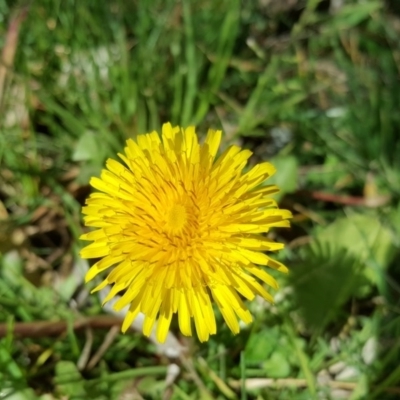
pixel 176 218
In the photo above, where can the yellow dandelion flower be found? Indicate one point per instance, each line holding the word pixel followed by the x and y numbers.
pixel 182 228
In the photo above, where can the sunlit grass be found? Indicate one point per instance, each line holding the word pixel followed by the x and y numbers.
pixel 313 89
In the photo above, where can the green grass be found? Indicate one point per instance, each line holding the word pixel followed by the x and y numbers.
pixel 314 90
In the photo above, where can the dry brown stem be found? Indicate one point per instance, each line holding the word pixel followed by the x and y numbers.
pixel 38 329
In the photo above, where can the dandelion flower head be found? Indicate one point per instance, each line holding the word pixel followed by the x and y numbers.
pixel 179 229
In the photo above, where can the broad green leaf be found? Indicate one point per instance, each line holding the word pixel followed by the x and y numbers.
pixel 365 239
pixel 336 265
pixel 69 380
pixel 12 394
pixel 277 366
pixel 261 344
pixel 88 170
pixel 331 173
pixel 87 147
pixel 286 175
pixel 323 282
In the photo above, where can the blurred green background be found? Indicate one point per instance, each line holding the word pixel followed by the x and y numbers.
pixel 311 85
